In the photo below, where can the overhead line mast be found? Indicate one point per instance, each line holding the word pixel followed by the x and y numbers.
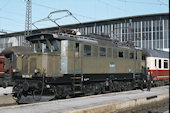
pixel 28 19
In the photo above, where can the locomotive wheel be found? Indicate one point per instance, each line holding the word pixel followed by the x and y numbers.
pixel 36 95
pixel 117 86
pixel 98 89
pixel 89 89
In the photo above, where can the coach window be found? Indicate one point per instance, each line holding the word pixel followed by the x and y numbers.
pixel 87 50
pixel 1 62
pixel 165 63
pixel 102 51
pixel 155 62
pixel 159 63
pixel 121 54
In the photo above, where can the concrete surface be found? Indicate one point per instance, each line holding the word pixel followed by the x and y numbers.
pixel 5 90
pixel 104 103
pixel 6 97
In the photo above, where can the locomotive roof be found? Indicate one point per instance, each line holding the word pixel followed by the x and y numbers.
pixel 157 53
pixel 17 50
pixel 99 40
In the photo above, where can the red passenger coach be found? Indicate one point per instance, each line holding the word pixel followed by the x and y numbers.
pixel 158 66
pixel 2 63
pixel 5 74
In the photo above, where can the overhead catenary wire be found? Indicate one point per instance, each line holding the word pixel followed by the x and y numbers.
pixel 162 3
pixel 107 3
pixel 111 5
pixel 11 12
pixel 60 9
pixel 141 2
pixel 10 19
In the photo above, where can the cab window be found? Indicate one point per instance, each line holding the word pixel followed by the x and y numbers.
pixel 55 45
pixel 45 47
pixel 87 50
pixel 36 48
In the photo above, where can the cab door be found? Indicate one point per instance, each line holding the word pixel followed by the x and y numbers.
pixel 77 58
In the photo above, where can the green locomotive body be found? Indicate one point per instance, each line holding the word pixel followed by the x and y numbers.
pixel 65 64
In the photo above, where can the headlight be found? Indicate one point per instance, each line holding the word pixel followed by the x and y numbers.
pixel 14 70
pixel 36 70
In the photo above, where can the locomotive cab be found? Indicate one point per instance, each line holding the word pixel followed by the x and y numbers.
pixel 45 57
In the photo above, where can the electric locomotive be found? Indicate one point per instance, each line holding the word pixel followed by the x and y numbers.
pixel 65 65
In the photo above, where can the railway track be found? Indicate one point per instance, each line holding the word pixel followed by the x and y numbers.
pixel 7 100
pixel 105 102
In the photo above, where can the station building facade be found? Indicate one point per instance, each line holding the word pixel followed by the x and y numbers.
pixel 145 31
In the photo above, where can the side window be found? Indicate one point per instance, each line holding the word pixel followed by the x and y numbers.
pixel 136 55
pixel 143 57
pixel 131 55
pixel 95 51
pixel 159 63
pixel 155 63
pixel 121 54
pixel 109 52
pixel 114 53
pixel 102 51
pixel 165 63
pixel 77 49
pixel 87 50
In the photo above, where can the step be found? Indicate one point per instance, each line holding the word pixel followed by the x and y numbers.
pixel 75 77
pixel 77 92
pixel 76 84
